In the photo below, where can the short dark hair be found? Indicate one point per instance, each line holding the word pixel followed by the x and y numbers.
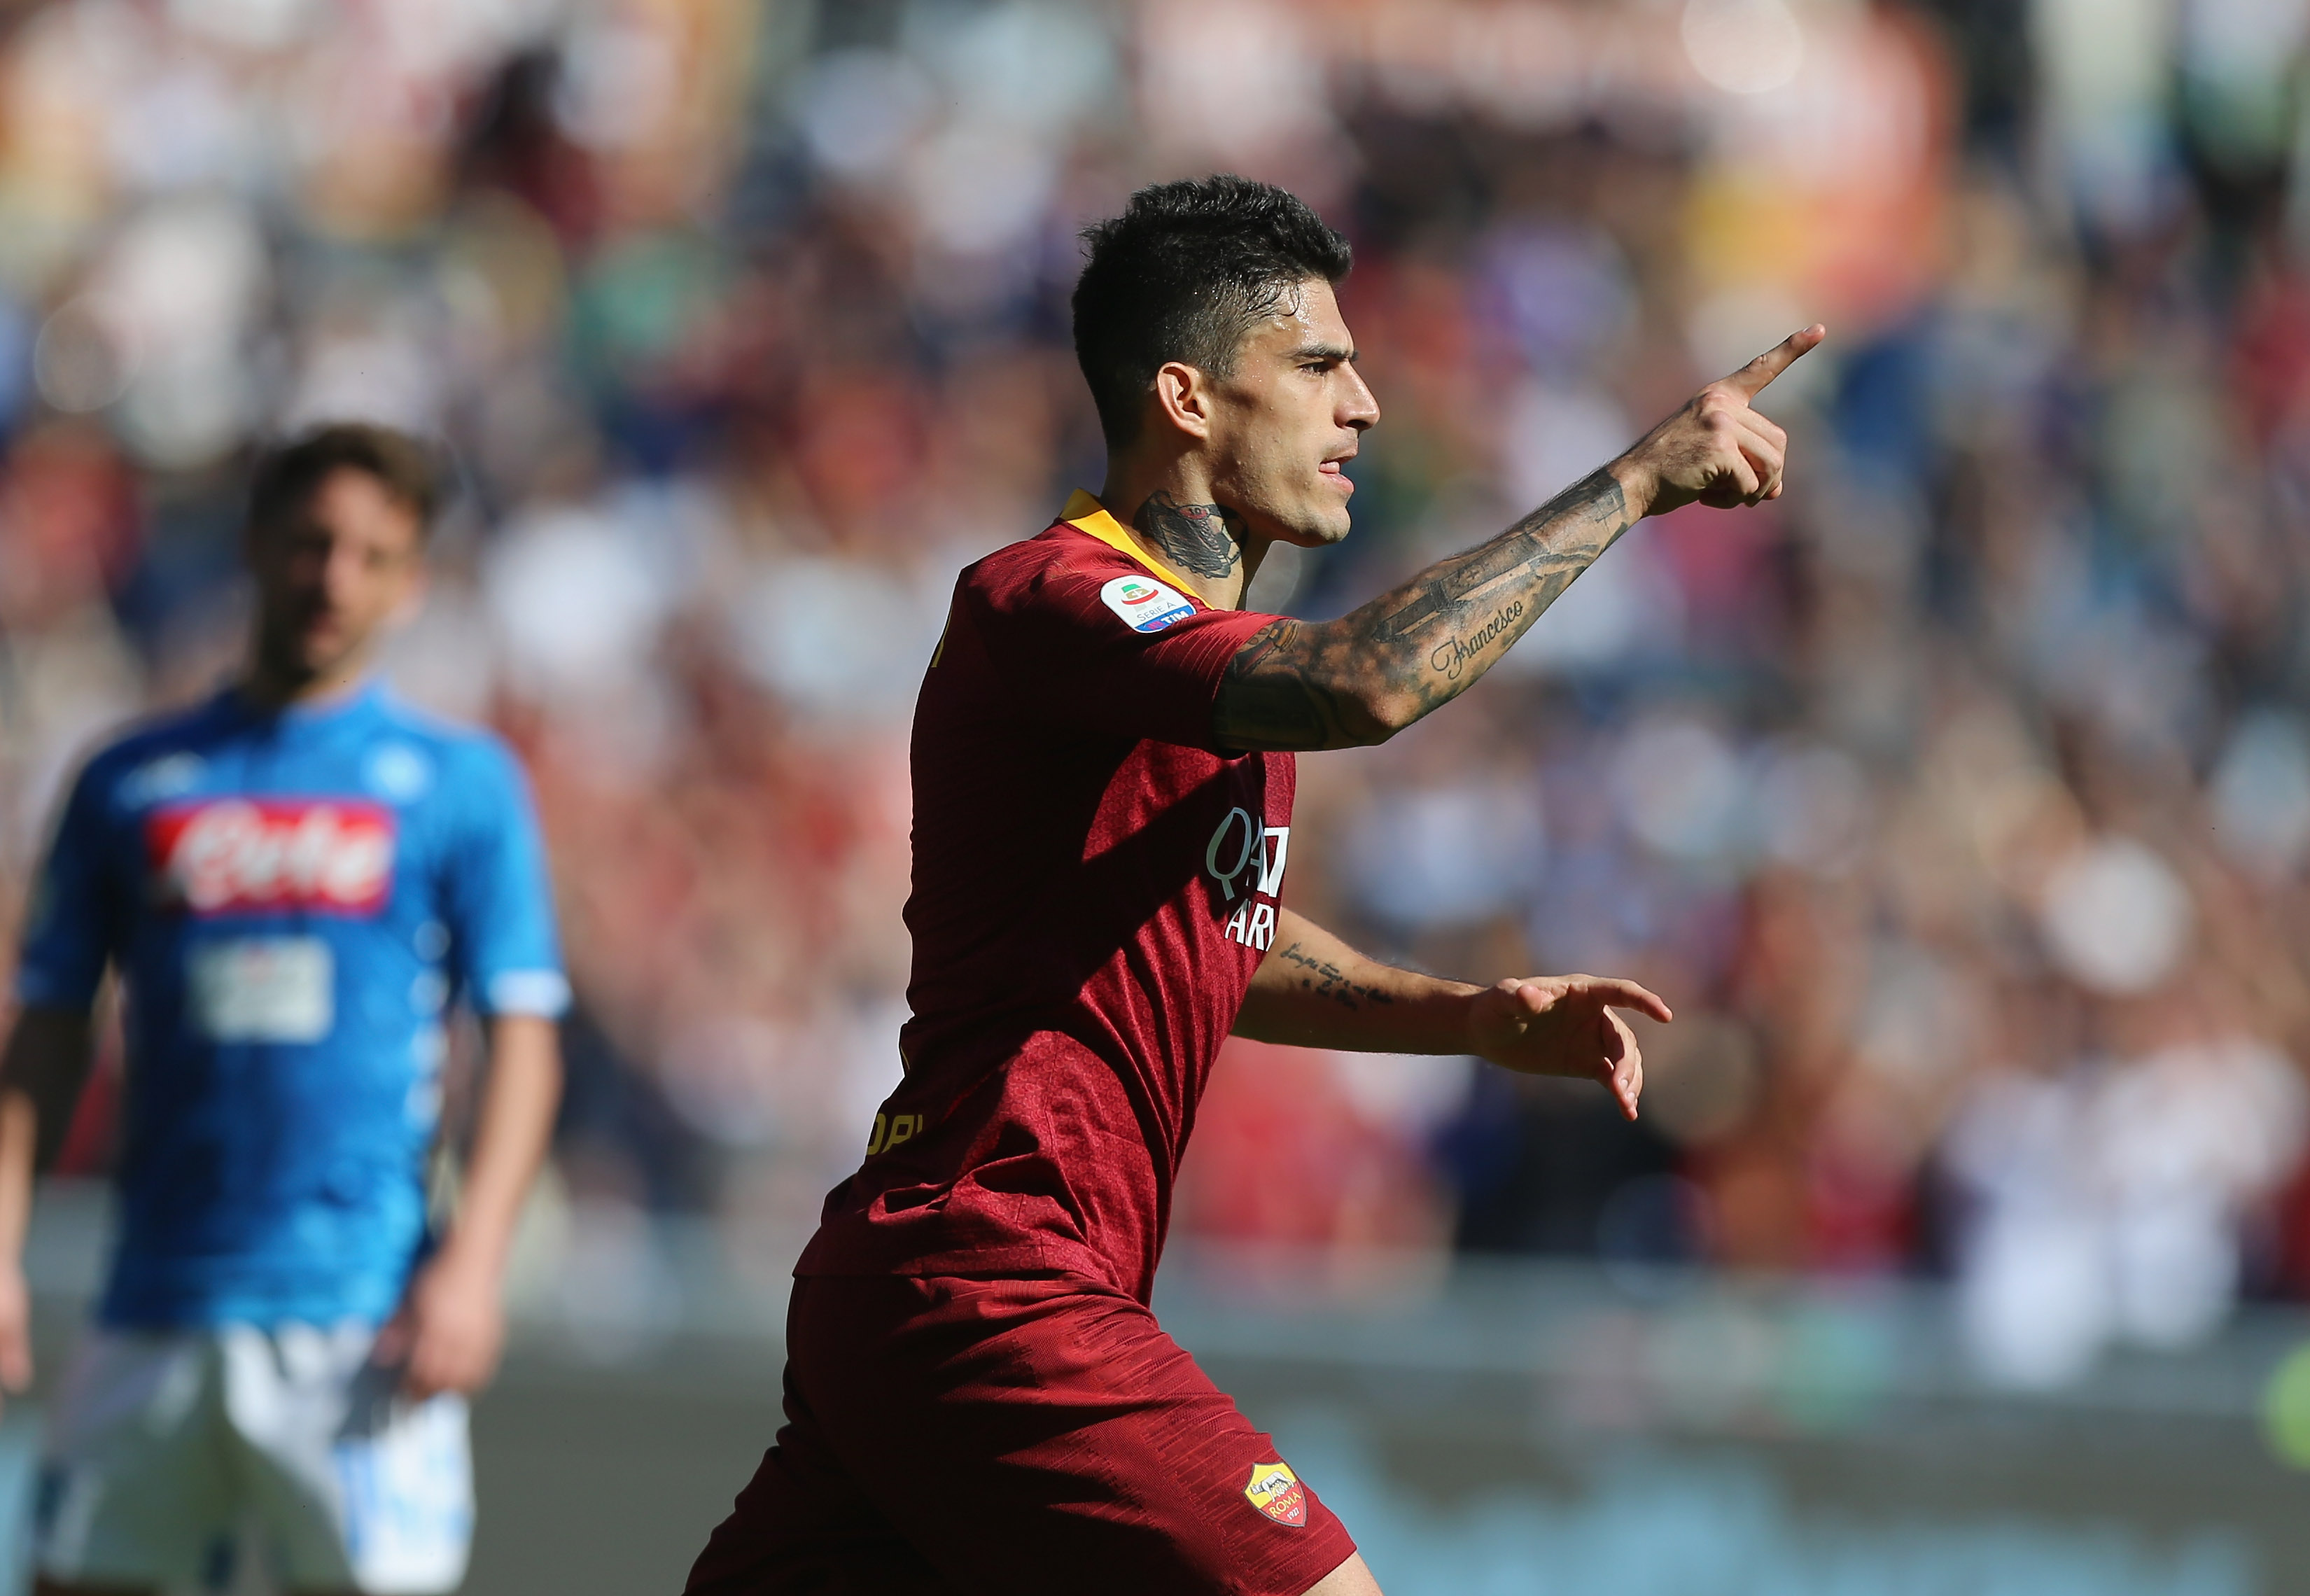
pixel 404 466
pixel 1181 275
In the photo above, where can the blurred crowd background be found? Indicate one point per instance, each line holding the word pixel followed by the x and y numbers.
pixel 1960 801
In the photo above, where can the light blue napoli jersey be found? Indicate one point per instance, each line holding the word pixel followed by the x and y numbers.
pixel 295 900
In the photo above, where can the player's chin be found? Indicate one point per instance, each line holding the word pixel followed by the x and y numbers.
pixel 1321 523
pixel 325 648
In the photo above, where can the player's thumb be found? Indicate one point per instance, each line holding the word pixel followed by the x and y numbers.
pixel 391 1348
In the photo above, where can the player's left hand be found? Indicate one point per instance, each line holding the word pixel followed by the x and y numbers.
pixel 1564 1024
pixel 449 1330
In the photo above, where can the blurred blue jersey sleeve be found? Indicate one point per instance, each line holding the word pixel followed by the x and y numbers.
pixel 504 954
pixel 70 923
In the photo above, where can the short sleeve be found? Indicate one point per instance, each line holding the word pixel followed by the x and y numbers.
pixel 503 951
pixel 70 921
pixel 1110 650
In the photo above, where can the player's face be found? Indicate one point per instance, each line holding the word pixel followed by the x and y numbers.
pixel 1289 417
pixel 331 576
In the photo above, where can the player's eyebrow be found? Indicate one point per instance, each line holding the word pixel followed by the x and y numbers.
pixel 1323 351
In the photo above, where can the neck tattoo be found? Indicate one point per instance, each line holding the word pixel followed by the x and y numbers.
pixel 1201 537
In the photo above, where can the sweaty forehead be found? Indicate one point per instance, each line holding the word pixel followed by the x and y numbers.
pixel 1307 315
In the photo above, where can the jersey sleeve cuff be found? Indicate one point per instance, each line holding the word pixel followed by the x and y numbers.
pixel 545 994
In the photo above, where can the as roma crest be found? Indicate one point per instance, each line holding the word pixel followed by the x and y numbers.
pixel 1276 1491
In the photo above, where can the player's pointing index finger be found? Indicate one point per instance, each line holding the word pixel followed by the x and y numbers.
pixel 1751 380
pixel 1628 995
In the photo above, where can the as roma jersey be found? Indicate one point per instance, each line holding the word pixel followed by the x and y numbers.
pixel 1094 885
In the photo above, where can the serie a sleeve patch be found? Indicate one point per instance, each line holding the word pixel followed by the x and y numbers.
pixel 1146 604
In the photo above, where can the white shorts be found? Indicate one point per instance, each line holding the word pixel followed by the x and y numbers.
pixel 170 1451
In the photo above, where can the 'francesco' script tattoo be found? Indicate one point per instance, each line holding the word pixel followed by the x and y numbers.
pixel 1366 676
pixel 1327 979
pixel 1452 654
pixel 1203 538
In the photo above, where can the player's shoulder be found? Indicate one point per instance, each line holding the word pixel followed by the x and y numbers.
pixel 1063 573
pixel 447 750
pixel 153 750
pixel 1060 548
pixel 397 716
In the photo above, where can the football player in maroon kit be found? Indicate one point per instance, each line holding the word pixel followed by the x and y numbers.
pixel 977 1397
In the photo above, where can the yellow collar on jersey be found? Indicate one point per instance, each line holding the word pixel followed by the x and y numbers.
pixel 1085 514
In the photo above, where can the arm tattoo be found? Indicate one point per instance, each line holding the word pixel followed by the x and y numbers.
pixel 1203 538
pixel 1327 979
pixel 1368 675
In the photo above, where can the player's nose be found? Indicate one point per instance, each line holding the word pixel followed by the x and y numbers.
pixel 1360 409
pixel 342 576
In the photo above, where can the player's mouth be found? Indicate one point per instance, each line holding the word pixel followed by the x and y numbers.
pixel 321 630
pixel 1332 471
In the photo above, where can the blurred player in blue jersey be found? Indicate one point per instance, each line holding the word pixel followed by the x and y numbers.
pixel 296 881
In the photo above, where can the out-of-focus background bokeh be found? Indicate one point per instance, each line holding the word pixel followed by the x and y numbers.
pixel 1959 800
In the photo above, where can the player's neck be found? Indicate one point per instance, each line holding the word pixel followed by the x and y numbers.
pixel 1169 511
pixel 269 688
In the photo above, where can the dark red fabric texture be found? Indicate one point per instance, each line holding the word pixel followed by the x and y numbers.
pixel 1093 889
pixel 1004 1437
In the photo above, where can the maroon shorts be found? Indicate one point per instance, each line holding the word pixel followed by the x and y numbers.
pixel 1014 1436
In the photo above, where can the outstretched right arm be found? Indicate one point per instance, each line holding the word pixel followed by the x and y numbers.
pixel 1361 679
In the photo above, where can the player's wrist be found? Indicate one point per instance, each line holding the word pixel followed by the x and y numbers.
pixel 1479 1022
pixel 470 1262
pixel 1640 484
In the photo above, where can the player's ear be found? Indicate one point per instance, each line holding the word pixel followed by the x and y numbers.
pixel 1183 398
